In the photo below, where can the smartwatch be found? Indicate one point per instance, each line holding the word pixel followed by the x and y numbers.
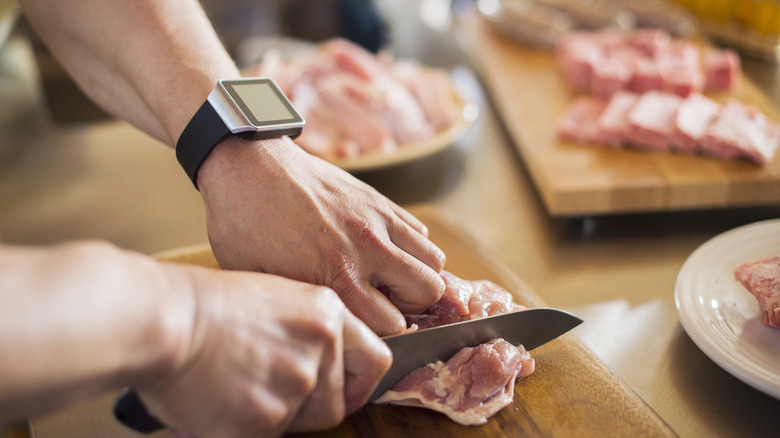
pixel 252 108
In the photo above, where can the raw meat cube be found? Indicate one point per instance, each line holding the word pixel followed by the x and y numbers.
pixel 738 131
pixel 613 122
pixel 576 56
pixel 652 120
pixel 647 75
pixel 693 118
pixel 680 68
pixel 649 41
pixel 614 73
pixel 580 121
pixel 721 68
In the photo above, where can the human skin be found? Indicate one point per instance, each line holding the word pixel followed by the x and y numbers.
pixel 212 353
pixel 271 208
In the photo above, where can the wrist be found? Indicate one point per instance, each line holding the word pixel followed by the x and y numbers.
pixel 166 315
pixel 234 157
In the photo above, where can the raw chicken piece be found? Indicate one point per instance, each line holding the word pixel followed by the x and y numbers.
pixel 652 120
pixel 762 279
pixel 476 382
pixel 354 102
pixel 465 300
pixel 738 131
pixel 472 386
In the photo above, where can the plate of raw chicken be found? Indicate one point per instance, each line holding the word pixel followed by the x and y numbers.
pixel 721 316
pixel 363 111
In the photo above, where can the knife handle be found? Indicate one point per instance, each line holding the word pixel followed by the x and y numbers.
pixel 131 412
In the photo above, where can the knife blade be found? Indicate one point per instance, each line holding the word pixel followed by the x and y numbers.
pixel 531 328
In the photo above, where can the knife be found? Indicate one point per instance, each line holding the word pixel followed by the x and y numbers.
pixel 530 328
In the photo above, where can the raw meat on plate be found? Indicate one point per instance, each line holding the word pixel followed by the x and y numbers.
pixel 762 279
pixel 355 102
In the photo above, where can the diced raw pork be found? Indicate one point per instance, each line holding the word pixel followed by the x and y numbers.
pixel 599 62
pixel 649 42
pixel 652 120
pixel 647 75
pixel 613 122
pixel 693 118
pixel 613 73
pixel 681 70
pixel 738 131
pixel 472 386
pixel 580 121
pixel 721 68
pixel 576 59
pixel 762 279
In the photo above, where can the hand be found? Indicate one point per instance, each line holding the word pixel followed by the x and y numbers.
pixel 267 355
pixel 271 207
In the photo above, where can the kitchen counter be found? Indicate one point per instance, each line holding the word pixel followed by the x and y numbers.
pixel 106 180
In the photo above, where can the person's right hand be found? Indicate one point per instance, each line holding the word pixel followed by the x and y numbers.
pixel 266 355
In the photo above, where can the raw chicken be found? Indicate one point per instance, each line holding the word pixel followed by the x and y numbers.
pixel 478 381
pixel 355 102
pixel 472 386
pixel 762 279
pixel 465 300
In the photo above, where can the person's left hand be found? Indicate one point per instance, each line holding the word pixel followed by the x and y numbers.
pixel 271 207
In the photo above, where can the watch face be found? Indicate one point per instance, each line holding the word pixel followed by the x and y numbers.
pixel 262 102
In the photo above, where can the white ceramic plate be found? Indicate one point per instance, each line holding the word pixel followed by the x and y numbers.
pixel 250 52
pixel 722 317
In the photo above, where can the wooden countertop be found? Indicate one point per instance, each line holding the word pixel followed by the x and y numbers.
pixel 106 180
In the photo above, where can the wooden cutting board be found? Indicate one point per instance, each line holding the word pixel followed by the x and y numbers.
pixel 571 393
pixel 578 180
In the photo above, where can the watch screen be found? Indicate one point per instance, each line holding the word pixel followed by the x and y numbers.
pixel 262 102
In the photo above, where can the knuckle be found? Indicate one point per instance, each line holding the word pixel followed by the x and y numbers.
pixel 364 233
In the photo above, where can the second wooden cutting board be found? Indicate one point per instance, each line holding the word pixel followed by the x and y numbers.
pixel 580 180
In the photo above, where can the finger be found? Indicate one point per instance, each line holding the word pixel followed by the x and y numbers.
pixel 410 286
pixel 409 219
pixel 324 407
pixel 372 307
pixel 366 359
pixel 416 245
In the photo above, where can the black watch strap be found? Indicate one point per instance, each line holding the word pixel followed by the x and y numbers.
pixel 200 136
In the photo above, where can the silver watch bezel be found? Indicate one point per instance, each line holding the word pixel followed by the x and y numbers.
pixel 235 119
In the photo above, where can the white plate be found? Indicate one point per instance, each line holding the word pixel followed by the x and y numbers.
pixel 722 317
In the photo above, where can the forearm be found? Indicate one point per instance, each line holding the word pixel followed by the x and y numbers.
pixel 150 62
pixel 80 319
